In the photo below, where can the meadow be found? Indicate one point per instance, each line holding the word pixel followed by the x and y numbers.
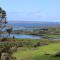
pixel 40 53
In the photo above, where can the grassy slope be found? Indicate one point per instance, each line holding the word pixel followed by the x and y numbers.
pixel 54 36
pixel 38 53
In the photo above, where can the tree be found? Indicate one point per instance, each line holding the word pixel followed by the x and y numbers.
pixel 9 30
pixel 3 20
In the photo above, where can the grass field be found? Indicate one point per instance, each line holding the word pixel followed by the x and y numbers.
pixel 38 53
pixel 53 36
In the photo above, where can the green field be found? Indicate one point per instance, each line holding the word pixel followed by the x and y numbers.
pixel 38 53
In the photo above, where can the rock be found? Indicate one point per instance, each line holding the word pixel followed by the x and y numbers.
pixel 57 54
pixel 4 56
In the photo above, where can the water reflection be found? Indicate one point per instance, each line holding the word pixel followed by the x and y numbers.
pixel 21 36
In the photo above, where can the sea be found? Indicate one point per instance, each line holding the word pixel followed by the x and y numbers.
pixel 33 23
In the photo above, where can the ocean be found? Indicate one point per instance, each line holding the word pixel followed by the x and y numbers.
pixel 29 24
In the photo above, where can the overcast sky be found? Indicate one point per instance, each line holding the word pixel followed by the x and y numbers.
pixel 32 10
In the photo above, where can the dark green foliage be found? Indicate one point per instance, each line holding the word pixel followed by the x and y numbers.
pixel 20 44
pixel 37 44
pixel 3 21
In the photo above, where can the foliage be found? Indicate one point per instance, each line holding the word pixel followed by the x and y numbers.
pixel 2 18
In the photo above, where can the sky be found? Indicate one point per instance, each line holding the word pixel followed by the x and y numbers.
pixel 32 10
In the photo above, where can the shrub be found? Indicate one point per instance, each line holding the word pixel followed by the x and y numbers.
pixel 4 39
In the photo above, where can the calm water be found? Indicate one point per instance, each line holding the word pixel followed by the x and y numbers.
pixel 22 36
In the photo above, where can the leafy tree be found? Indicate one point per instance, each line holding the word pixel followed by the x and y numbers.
pixel 3 20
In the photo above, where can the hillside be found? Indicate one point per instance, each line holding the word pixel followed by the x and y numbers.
pixel 41 53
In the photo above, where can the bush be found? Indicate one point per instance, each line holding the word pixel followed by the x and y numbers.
pixel 4 39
